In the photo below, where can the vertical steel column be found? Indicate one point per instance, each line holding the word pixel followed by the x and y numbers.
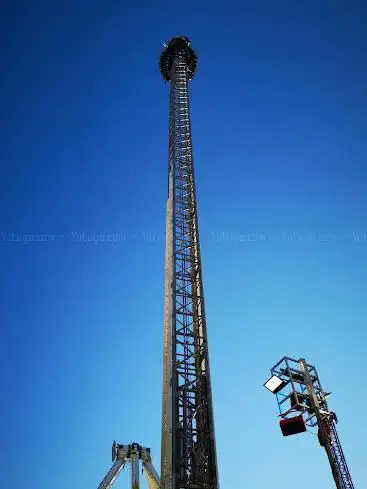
pixel 188 438
pixel 134 470
pixel 167 421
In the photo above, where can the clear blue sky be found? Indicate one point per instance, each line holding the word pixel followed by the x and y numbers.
pixel 279 111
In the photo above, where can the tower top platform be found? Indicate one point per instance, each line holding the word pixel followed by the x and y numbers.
pixel 177 46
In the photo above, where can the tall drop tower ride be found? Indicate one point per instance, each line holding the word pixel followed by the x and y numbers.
pixel 188 457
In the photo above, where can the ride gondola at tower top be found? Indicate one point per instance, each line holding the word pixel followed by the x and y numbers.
pixel 179 46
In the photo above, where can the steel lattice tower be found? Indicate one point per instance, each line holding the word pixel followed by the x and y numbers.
pixel 188 441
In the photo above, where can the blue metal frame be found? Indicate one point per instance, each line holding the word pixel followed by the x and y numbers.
pixel 296 390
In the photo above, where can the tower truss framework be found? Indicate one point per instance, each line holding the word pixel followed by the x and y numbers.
pixel 188 450
pixel 188 459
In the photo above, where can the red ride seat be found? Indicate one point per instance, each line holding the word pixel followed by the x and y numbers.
pixel 292 426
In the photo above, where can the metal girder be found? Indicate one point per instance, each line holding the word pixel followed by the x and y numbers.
pixel 188 439
pixel 152 476
pixel 112 475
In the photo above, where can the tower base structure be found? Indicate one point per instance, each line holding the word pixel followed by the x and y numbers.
pixel 133 454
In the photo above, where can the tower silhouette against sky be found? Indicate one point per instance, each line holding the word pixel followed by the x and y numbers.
pixel 188 456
